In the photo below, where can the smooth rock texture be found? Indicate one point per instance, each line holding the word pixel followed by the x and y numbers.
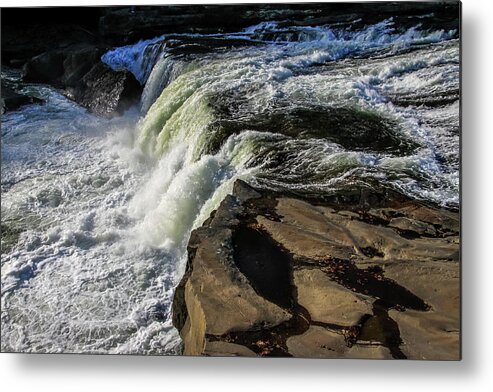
pixel 319 342
pixel 224 349
pixel 326 301
pixel 213 282
pixel 359 284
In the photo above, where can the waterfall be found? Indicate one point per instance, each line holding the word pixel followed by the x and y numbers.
pixel 166 70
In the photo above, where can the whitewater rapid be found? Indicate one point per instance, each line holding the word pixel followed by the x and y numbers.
pixel 99 211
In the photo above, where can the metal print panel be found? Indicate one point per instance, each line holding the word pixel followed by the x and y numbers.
pixel 255 180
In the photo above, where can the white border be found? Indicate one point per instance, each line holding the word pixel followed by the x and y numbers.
pixel 473 373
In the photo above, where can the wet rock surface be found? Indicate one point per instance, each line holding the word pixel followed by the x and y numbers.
pixel 106 92
pixel 271 275
pixel 84 78
pixel 12 100
pixel 350 128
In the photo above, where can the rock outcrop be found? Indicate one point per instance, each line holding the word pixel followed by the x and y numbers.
pixel 62 45
pixel 106 92
pixel 79 71
pixel 363 275
pixel 131 23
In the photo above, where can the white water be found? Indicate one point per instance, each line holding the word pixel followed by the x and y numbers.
pixel 104 231
pixel 105 207
pixel 265 79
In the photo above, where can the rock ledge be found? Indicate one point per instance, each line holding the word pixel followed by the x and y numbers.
pixel 270 275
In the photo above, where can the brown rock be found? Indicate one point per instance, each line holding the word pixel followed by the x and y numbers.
pixel 430 335
pixel 369 351
pixel 361 286
pixel 304 243
pixel 217 296
pixel 413 225
pixel 327 301
pixel 434 334
pixel 225 349
pixel 319 342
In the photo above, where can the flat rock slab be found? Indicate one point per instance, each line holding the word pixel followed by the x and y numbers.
pixel 327 301
pixel 430 336
pixel 224 349
pixel 270 275
pixel 319 342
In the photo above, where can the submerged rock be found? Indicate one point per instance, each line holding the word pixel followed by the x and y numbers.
pixel 349 127
pixel 270 275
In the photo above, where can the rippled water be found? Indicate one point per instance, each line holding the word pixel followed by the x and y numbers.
pixel 96 213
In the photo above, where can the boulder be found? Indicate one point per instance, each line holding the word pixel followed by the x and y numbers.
pixel 214 282
pixel 78 62
pixel 79 70
pixel 62 67
pixel 106 92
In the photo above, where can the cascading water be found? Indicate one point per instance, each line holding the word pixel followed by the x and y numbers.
pixel 97 213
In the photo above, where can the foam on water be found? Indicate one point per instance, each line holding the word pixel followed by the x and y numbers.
pixel 316 44
pixel 93 270
pixel 137 58
pixel 103 230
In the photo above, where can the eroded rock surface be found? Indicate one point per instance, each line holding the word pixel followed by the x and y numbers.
pixel 270 275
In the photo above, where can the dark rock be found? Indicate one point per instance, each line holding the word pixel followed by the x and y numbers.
pixel 62 45
pixel 11 100
pixel 23 41
pixel 244 192
pixel 78 62
pixel 45 68
pixel 352 128
pixel 132 23
pixel 28 32
pixel 79 70
pixel 106 92
pixel 62 67
pixel 10 236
